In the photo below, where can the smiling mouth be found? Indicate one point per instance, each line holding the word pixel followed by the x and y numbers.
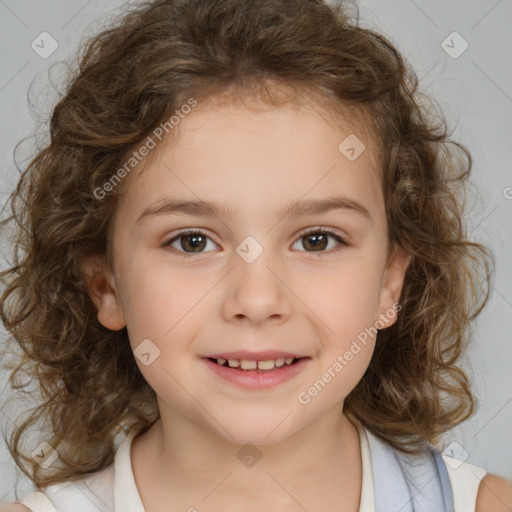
pixel 246 365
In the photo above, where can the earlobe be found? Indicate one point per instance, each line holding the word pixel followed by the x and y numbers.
pixel 100 284
pixel 391 286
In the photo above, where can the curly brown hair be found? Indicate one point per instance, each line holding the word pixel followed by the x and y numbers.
pixel 130 79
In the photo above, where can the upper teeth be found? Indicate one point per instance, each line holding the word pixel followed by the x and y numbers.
pixel 247 364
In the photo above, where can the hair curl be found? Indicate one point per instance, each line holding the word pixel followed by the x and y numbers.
pixel 130 79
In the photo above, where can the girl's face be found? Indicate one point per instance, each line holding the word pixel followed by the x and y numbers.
pixel 218 249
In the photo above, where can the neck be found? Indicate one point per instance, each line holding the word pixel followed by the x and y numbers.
pixel 179 460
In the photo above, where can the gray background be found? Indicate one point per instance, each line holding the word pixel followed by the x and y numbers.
pixel 474 91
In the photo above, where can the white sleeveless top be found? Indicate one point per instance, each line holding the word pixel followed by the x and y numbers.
pixel 93 493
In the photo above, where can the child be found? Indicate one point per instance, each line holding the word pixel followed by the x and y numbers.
pixel 243 253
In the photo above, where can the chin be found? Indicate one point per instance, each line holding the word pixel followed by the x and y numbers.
pixel 261 434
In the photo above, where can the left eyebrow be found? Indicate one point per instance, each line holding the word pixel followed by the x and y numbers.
pixel 316 206
pixel 212 208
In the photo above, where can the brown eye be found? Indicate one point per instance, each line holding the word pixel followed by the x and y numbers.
pixel 189 242
pixel 193 243
pixel 315 241
pixel 318 240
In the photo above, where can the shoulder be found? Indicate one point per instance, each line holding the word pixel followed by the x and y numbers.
pixel 14 507
pixel 494 494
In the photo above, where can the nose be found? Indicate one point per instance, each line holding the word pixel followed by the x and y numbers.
pixel 256 293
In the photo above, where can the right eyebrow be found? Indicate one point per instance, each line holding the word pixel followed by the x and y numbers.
pixel 196 208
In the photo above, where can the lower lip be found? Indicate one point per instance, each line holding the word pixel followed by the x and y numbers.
pixel 253 379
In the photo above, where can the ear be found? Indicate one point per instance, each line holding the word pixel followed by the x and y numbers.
pixel 100 284
pixel 391 286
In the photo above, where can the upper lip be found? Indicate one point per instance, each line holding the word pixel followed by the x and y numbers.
pixel 265 355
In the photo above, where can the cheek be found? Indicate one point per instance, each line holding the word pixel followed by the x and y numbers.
pixel 342 367
pixel 345 297
pixel 158 301
pixel 169 381
pixel 346 310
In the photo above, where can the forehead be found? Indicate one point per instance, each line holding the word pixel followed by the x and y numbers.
pixel 237 153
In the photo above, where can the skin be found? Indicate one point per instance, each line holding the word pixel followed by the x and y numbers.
pixel 494 495
pixel 290 298
pixel 285 299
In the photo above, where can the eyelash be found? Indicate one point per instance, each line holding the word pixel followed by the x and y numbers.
pixel 320 229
